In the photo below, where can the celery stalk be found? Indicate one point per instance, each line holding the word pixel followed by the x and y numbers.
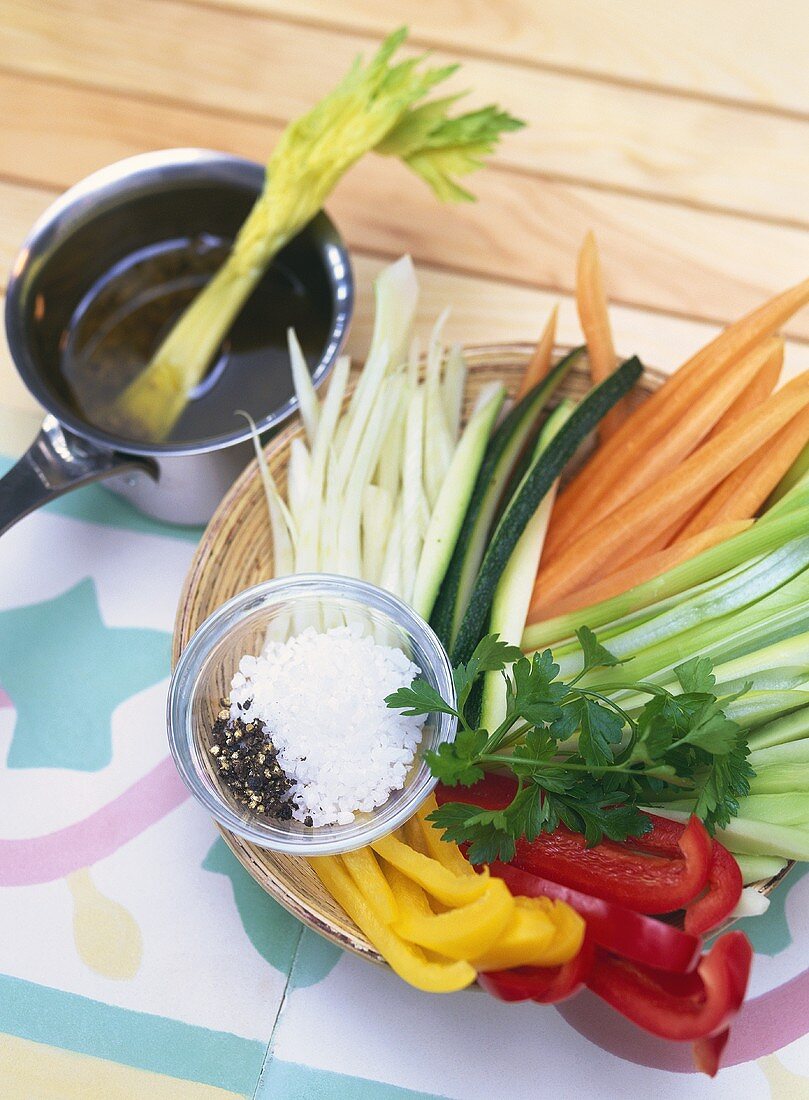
pixel 375 107
pixel 759 539
pixel 759 868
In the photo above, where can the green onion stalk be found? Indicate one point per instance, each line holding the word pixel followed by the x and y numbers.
pixel 375 107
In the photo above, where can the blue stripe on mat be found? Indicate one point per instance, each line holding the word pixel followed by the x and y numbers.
pixel 138 1039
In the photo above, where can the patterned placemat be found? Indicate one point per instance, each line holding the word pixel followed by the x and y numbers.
pixel 138 959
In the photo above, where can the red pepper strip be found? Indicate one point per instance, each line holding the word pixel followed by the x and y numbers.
pixel 642 939
pixel 708 1052
pixel 547 985
pixel 678 1006
pixel 722 897
pixel 632 873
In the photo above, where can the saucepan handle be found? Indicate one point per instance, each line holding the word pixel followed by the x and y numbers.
pixel 57 461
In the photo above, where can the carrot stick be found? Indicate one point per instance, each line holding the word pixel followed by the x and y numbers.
pixel 744 491
pixel 612 541
pixel 756 393
pixel 643 569
pixel 667 452
pixel 665 408
pixel 540 362
pixel 591 302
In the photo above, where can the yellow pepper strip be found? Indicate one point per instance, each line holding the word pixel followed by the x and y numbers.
pixel 410 833
pixel 525 941
pixel 429 873
pixel 466 931
pixel 447 854
pixel 411 899
pixel 364 869
pixel 408 961
pixel 570 929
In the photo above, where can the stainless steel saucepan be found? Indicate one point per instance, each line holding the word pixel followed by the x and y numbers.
pixel 129 206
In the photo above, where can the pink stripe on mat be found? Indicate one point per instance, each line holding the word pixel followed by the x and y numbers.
pixel 5 700
pixel 46 858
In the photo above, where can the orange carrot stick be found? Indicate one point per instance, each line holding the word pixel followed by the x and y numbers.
pixel 540 362
pixel 612 541
pixel 756 393
pixel 591 302
pixel 744 491
pixel 665 408
pixel 667 452
pixel 643 569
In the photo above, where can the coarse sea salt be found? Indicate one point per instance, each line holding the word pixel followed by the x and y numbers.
pixel 320 698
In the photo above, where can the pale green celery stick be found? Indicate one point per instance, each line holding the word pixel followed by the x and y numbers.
pixel 512 597
pixel 755 838
pixel 788 752
pixel 304 389
pixel 755 708
pixel 791 809
pixel 744 589
pixel 372 103
pixel 787 777
pixel 713 563
pixel 783 613
pixel 453 499
pixel 759 868
pixel 784 731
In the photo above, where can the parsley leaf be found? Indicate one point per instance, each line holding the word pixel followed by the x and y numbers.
pixel 696 675
pixel 595 783
pixel 594 654
pixel 419 698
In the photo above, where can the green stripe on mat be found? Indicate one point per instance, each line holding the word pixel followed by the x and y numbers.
pixel 138 1039
pixel 97 505
pixel 291 1081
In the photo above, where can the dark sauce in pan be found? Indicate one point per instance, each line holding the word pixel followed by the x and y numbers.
pixel 124 316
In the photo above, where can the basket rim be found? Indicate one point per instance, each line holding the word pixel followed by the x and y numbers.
pixel 478 355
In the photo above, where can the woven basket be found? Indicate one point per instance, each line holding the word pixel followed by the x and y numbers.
pixel 236 552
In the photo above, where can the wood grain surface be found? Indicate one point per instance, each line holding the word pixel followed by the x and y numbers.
pixel 680 134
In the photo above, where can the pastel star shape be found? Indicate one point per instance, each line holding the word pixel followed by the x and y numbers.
pixel 66 671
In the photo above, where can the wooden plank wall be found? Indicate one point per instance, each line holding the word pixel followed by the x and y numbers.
pixel 678 132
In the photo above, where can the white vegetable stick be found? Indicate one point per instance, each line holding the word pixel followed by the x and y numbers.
pixel 304 390
pixel 453 387
pixel 396 295
pixel 413 359
pixel 359 412
pixel 752 903
pixel 282 530
pixel 412 490
pixel 377 508
pixel 348 535
pixel 298 476
pixel 313 514
pixel 389 469
pixel 438 444
pixel 391 576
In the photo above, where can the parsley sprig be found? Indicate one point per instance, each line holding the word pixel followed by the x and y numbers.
pixel 595 782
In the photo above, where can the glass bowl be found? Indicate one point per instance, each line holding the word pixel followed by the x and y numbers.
pixel 284 606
